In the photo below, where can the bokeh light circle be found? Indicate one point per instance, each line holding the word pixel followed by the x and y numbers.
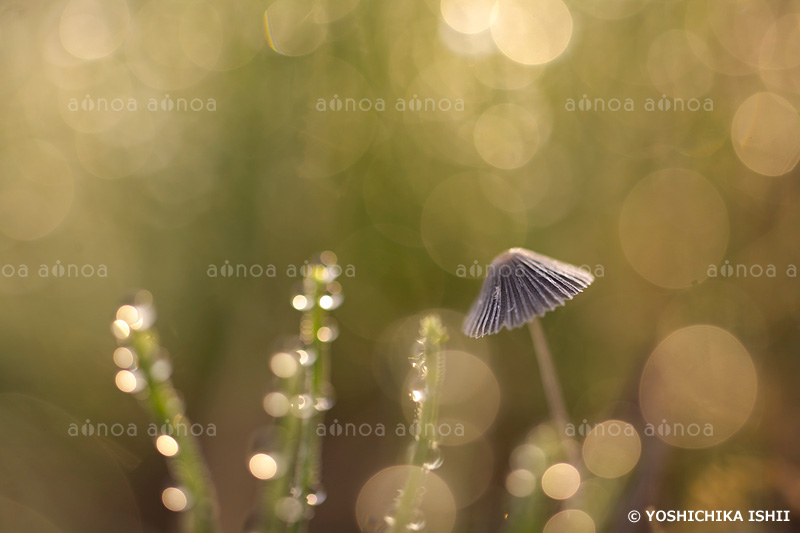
pixel 698 387
pixel 377 498
pixel 91 29
pixel 766 134
pixel 611 449
pixel 520 483
pixel 673 225
pixel 570 521
pixel 561 481
pixel 469 398
pixel 531 33
pixel 467 16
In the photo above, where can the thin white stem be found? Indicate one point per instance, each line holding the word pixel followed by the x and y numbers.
pixel 550 383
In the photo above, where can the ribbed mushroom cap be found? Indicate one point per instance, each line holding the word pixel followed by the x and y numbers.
pixel 519 286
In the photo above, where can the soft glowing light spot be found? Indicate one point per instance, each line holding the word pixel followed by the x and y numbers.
pixel 506 136
pixel 126 381
pixel 520 483
pixel 328 258
pixel 528 457
pixel 570 521
pixel 468 401
pixel 289 510
pixel 120 329
pixel 467 16
pixel 531 33
pixel 306 357
pixel 123 357
pixel 698 387
pixel 766 134
pixel 91 29
pixel 326 302
pixel 283 365
pixel 166 445
pixel 276 404
pixel 682 212
pixel 561 481
pixel 325 334
pixel 161 370
pixel 129 314
pixel 300 302
pixel 438 507
pixel 612 449
pixel 334 287
pixel 174 499
pixel 263 466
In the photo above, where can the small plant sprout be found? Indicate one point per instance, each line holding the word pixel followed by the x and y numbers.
pixel 144 371
pixel 289 456
pixel 521 286
pixel 425 453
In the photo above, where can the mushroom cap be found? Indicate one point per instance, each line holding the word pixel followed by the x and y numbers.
pixel 519 286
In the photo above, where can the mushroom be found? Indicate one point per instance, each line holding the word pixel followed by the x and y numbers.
pixel 520 286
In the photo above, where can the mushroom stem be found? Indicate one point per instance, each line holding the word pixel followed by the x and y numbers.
pixel 552 388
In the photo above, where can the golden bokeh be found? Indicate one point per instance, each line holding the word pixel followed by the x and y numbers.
pixel 469 399
pixel 561 481
pixel 570 521
pixel 468 16
pixel 673 226
pixel 531 33
pixel 698 387
pixel 766 134
pixel 91 29
pixel 174 499
pixel 520 483
pixel 167 446
pixel 611 449
pixel 263 466
pixel 377 499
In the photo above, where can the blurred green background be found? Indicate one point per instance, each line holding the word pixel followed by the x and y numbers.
pixel 654 142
